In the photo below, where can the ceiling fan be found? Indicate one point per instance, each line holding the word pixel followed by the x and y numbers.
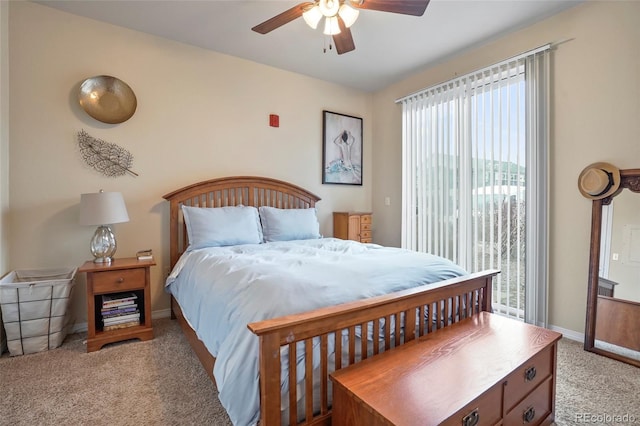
pixel 339 15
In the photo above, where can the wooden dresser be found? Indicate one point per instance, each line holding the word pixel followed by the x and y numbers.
pixel 352 226
pixel 484 370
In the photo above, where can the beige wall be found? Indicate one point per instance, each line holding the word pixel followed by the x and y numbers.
pixel 4 143
pixel 595 117
pixel 200 115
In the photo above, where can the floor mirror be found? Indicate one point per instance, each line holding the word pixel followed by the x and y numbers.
pixel 613 299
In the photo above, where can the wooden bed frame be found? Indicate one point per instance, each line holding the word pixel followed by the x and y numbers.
pixel 448 301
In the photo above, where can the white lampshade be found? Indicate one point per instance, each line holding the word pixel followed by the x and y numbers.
pixel 312 16
pixel 102 208
pixel 331 26
pixel 348 15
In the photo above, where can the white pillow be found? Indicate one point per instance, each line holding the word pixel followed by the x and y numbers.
pixel 289 224
pixel 221 226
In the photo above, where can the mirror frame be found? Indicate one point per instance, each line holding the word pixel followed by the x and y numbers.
pixel 629 179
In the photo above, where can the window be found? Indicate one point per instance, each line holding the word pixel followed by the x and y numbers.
pixel 475 177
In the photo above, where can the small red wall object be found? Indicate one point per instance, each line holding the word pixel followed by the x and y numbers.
pixel 274 120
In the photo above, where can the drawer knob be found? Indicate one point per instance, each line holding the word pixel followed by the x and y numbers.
pixel 530 374
pixel 529 415
pixel 471 419
pixel 120 280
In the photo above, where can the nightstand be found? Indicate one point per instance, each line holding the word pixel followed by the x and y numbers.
pixel 128 275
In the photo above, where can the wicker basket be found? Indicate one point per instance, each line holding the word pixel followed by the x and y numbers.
pixel 35 308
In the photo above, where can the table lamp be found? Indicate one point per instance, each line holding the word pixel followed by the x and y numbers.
pixel 103 209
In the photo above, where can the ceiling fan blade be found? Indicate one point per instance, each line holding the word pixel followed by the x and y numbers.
pixel 343 40
pixel 405 7
pixel 283 18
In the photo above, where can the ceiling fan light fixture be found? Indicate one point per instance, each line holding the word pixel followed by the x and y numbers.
pixel 329 8
pixel 348 14
pixel 331 26
pixel 312 16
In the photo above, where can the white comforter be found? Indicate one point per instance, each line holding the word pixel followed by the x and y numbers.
pixel 222 289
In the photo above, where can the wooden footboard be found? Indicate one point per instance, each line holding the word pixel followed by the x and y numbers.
pixel 395 318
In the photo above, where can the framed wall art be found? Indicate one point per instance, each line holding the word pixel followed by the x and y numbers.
pixel 341 149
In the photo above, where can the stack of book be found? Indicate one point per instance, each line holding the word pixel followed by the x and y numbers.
pixel 120 310
pixel 144 255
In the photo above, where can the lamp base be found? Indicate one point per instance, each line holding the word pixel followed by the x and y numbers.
pixel 103 245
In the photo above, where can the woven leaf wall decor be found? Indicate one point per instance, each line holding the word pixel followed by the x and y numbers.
pixel 106 157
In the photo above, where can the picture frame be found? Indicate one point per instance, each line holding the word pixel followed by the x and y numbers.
pixel 341 149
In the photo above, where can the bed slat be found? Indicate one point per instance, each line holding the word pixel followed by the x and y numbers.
pixel 293 397
pixel 308 392
pixel 324 374
pixel 364 340
pixel 376 336
pixel 352 345
pixel 410 325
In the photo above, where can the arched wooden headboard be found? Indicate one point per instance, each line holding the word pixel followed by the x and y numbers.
pixel 231 191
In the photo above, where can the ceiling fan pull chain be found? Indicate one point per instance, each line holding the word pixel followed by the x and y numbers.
pixel 324 49
pixel 329 40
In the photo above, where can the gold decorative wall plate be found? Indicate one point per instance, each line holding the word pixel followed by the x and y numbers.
pixel 107 99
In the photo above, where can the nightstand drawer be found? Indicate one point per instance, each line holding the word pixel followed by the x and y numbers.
pixel 365 235
pixel 118 280
pixel 365 218
pixel 365 227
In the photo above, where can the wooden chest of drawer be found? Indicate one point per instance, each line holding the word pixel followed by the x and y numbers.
pixel 353 226
pixel 460 375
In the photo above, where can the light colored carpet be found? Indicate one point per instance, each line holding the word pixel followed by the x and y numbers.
pixel 158 382
pixel 592 389
pixel 161 382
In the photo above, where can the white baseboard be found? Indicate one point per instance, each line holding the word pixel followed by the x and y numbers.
pixel 569 334
pixel 80 327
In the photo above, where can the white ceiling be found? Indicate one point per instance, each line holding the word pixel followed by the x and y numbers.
pixel 389 46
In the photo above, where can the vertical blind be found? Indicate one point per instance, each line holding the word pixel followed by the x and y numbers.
pixel 474 177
